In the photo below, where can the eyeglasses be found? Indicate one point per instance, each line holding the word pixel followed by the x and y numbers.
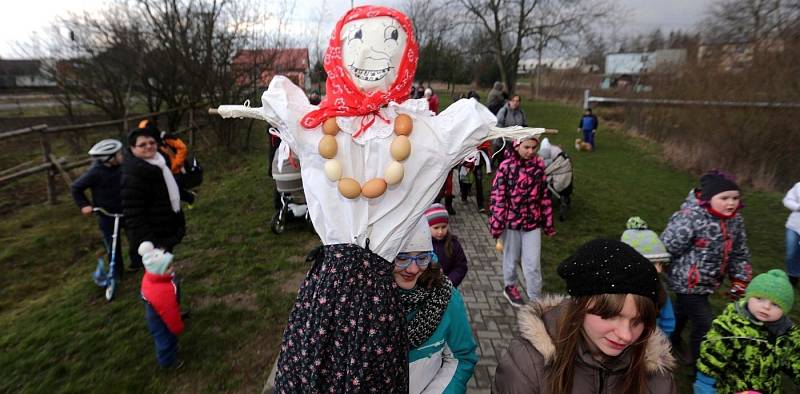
pixel 143 144
pixel 423 260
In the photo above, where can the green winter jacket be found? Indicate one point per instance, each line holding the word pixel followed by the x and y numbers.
pixel 445 362
pixel 740 355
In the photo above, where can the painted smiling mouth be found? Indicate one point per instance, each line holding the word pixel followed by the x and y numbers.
pixel 369 75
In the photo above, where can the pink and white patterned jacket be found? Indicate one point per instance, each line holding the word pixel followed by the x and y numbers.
pixel 519 199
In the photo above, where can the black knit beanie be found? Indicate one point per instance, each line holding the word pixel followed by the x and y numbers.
pixel 605 266
pixel 715 182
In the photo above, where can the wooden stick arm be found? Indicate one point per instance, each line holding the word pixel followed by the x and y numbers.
pixel 517 132
pixel 238 111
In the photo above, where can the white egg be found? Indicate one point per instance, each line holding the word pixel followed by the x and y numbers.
pixel 400 148
pixel 394 173
pixel 333 170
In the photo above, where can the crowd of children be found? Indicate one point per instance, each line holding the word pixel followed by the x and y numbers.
pixel 618 312
pixel 744 348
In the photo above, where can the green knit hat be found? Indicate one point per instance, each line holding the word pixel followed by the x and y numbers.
pixel 773 285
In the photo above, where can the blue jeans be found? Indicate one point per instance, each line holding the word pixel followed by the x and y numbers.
pixel 588 137
pixel 792 253
pixel 166 341
pixel 107 228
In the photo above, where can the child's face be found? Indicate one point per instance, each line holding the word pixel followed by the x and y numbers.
pixel 763 309
pixel 527 148
pixel 439 231
pixel 725 202
pixel 613 335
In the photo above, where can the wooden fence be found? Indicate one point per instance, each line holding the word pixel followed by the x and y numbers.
pixel 53 165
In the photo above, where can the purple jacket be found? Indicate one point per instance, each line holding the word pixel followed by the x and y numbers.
pixel 455 267
pixel 519 199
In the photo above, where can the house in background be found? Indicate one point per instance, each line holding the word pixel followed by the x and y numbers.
pixel 256 67
pixel 628 69
pixel 23 73
pixel 529 65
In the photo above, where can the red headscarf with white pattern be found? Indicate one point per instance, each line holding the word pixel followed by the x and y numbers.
pixel 343 97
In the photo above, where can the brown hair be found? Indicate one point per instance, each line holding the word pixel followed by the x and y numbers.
pixel 432 277
pixel 561 374
pixel 448 244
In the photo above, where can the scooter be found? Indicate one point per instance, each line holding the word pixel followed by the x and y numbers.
pixel 103 278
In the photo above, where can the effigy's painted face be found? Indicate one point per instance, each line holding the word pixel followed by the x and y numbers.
pixel 372 49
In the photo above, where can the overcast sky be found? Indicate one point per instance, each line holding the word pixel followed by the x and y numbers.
pixel 23 20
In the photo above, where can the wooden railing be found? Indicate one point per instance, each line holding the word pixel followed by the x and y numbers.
pixel 52 165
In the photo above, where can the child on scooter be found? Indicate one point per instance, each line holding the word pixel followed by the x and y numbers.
pixel 103 180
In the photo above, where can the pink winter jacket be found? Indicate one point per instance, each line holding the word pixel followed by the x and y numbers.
pixel 520 200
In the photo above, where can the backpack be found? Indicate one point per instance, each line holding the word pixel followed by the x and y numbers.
pixel 191 174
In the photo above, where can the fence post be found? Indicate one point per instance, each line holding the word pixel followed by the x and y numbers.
pixel 191 128
pixel 49 174
pixel 586 99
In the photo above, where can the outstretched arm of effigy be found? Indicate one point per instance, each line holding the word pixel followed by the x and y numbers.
pixel 517 132
pixel 240 111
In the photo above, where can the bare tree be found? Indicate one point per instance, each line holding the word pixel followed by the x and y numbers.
pixel 165 53
pixel 744 20
pixel 98 61
pixel 434 28
pixel 516 27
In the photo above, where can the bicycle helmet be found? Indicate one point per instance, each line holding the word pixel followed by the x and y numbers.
pixel 105 149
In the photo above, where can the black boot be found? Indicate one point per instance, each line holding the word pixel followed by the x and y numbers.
pixel 448 204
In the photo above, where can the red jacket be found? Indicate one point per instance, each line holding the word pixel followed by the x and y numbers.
pixel 433 103
pixel 162 294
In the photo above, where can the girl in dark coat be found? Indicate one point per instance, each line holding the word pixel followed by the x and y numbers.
pixel 448 250
pixel 601 339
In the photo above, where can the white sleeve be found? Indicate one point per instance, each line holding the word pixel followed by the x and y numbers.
pixel 460 129
pixel 792 199
pixel 284 104
pixel 444 375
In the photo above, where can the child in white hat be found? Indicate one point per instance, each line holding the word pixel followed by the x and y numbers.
pixel 161 297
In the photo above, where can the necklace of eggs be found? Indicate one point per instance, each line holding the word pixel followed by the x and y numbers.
pixel 400 149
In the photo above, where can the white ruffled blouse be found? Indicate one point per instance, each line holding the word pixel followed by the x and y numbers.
pixel 438 143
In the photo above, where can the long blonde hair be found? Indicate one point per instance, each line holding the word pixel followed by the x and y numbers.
pixel 570 333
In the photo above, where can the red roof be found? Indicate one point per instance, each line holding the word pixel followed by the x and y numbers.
pixel 277 60
pixel 263 64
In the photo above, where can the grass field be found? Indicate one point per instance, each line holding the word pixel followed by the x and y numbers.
pixel 57 334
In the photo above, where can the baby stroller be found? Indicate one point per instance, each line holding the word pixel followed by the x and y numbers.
pixel 289 186
pixel 558 170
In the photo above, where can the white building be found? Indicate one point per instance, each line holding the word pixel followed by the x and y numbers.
pixel 644 62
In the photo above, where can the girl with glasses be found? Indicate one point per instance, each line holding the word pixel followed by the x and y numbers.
pixel 441 346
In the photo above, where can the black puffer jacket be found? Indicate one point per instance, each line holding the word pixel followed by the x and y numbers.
pixel 146 206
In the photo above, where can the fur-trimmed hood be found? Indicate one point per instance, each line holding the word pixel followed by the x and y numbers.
pixel 538 320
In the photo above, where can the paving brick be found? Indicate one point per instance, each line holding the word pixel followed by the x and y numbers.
pixel 493 320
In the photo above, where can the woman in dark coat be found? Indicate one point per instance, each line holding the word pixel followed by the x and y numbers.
pixel 150 196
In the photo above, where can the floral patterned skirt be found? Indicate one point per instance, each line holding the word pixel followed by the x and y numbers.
pixel 346 332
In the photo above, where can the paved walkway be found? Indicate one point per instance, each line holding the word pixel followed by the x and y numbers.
pixel 492 318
